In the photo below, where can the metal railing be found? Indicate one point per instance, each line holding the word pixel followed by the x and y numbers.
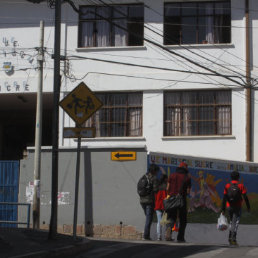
pixel 18 222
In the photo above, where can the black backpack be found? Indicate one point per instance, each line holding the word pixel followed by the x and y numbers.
pixel 234 194
pixel 144 186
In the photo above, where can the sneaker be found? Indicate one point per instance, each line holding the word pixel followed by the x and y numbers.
pixel 181 241
pixel 233 242
pixel 147 238
pixel 159 238
pixel 169 239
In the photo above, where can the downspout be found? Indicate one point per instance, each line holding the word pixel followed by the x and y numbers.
pixel 248 87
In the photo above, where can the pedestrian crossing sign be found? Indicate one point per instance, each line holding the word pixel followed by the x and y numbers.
pixel 80 104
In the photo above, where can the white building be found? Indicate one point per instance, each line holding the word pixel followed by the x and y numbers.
pixel 171 74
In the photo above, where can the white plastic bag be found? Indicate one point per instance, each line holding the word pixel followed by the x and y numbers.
pixel 222 223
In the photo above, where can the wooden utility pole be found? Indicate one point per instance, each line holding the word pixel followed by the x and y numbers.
pixel 55 126
pixel 248 87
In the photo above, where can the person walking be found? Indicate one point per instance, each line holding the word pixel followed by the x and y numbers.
pixel 234 192
pixel 178 183
pixel 159 206
pixel 146 188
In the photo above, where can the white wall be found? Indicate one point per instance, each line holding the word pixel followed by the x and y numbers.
pixel 230 55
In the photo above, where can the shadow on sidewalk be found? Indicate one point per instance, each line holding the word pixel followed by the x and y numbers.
pixel 35 243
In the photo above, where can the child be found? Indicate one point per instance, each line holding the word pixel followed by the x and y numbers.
pixel 159 197
pixel 233 193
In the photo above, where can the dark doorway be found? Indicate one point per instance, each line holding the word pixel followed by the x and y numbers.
pixel 17 124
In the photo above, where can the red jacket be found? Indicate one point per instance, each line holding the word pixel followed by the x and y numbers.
pixel 159 197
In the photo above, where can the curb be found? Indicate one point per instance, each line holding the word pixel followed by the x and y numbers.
pixel 61 251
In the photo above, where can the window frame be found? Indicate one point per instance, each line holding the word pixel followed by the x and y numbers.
pixel 198 106
pixel 167 31
pixel 110 107
pixel 129 19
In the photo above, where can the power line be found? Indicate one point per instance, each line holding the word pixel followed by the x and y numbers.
pixel 171 51
pixel 215 45
pixel 75 57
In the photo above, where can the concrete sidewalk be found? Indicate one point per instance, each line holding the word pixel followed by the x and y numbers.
pixel 15 242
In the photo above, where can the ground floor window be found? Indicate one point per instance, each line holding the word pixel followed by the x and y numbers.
pixel 197 113
pixel 120 115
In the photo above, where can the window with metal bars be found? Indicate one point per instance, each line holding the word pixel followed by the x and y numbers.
pixel 113 25
pixel 197 22
pixel 197 113
pixel 120 115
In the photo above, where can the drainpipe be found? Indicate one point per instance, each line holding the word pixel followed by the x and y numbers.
pixel 248 87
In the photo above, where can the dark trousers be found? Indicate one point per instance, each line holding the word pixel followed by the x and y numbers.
pixel 234 215
pixel 172 217
pixel 148 211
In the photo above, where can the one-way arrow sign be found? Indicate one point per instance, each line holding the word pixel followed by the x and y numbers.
pixel 123 155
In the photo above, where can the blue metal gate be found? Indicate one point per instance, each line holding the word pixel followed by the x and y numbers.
pixel 9 184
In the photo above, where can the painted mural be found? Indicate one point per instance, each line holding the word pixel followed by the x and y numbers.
pixel 209 178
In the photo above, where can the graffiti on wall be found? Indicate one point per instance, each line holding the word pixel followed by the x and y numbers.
pixel 63 198
pixel 209 178
pixel 15 58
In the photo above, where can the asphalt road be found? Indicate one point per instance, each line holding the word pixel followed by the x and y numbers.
pixel 154 249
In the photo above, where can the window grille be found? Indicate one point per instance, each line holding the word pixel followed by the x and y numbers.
pixel 197 22
pixel 197 113
pixel 120 115
pixel 114 25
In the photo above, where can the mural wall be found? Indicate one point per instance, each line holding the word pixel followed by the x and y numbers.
pixel 209 178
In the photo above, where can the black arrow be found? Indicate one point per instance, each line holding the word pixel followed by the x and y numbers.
pixel 118 155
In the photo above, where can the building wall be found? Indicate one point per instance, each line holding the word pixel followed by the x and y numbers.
pixel 101 76
pixel 107 189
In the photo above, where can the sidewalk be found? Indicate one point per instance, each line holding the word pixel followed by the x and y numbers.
pixel 21 243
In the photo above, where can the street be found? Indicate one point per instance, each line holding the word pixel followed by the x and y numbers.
pixel 153 249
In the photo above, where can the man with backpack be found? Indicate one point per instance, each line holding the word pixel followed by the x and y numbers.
pixel 234 192
pixel 146 188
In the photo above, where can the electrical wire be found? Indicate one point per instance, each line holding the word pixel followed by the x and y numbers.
pixel 215 45
pixel 173 52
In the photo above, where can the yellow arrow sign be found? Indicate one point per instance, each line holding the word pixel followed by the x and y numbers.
pixel 80 104
pixel 123 155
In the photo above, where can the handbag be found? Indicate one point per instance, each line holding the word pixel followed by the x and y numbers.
pixel 174 201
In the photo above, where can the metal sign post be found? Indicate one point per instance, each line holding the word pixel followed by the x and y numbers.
pixel 77 175
pixel 80 104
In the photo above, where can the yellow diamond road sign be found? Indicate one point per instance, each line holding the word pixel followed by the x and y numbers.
pixel 80 104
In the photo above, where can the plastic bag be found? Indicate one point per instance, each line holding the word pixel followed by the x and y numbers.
pixel 164 219
pixel 222 223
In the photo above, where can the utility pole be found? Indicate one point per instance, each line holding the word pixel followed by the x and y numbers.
pixel 55 126
pixel 248 90
pixel 38 133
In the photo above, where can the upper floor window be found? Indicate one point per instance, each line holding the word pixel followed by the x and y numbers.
pixel 197 23
pixel 114 25
pixel 197 113
pixel 120 115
